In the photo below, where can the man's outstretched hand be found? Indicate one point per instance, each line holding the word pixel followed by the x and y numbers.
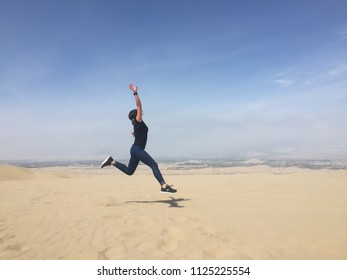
pixel 133 87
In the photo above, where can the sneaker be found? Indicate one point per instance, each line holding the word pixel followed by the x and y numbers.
pixel 106 162
pixel 168 189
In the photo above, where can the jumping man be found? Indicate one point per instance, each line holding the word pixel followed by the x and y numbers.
pixel 137 150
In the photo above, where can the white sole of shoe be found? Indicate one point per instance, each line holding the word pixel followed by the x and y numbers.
pixel 104 162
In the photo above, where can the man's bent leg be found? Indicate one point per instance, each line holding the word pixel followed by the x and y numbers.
pixel 130 169
pixel 143 156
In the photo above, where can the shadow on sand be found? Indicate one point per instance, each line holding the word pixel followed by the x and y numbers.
pixel 172 202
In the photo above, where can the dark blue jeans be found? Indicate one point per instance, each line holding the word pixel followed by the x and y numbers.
pixel 138 154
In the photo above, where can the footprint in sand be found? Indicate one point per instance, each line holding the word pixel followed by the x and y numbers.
pixel 167 245
pixel 139 221
pixel 112 253
pixel 38 198
pixel 14 247
pixel 113 217
pixel 7 236
pixel 146 248
pixel 4 237
pixel 102 255
pixel 170 239
pixel 175 233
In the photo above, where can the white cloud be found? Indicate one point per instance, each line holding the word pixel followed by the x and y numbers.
pixel 283 82
pixel 342 34
pixel 337 70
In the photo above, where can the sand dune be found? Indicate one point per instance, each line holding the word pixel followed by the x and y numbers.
pixel 8 172
pixel 235 213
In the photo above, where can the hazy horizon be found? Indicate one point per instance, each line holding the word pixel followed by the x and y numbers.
pixel 216 78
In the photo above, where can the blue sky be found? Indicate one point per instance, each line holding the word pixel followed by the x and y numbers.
pixel 216 78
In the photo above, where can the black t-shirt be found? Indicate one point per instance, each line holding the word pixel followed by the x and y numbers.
pixel 140 133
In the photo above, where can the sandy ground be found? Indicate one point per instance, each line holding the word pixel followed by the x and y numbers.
pixel 227 213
